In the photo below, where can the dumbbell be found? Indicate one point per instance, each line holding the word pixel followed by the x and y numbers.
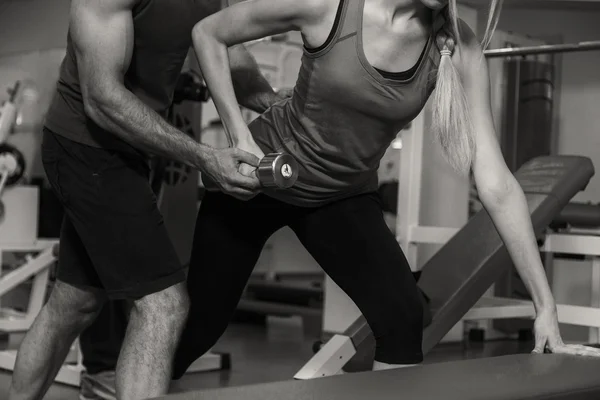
pixel 275 170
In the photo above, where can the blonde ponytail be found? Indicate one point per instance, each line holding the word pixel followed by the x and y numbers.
pixel 452 124
pixel 451 118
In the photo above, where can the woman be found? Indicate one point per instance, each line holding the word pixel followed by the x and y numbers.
pixel 348 105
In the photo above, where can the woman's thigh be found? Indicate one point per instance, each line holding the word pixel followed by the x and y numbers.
pixel 352 243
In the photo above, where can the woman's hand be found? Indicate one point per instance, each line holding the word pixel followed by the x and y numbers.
pixel 547 336
pixel 249 145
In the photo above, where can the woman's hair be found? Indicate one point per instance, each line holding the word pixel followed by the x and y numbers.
pixel 452 123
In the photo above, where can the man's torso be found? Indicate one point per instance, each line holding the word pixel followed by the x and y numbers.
pixel 161 42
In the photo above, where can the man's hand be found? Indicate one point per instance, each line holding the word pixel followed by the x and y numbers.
pixel 250 146
pixel 222 167
pixel 547 337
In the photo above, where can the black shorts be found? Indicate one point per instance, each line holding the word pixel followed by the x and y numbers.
pixel 113 236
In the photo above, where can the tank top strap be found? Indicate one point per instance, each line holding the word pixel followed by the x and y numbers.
pixel 349 17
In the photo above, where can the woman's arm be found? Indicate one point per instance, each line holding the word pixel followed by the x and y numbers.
pixel 505 201
pixel 498 189
pixel 243 22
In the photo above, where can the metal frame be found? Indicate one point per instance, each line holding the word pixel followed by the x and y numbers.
pixel 16 323
pixel 543 49
pixel 574 242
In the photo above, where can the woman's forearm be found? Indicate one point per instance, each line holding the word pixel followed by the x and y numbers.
pixel 510 215
pixel 213 58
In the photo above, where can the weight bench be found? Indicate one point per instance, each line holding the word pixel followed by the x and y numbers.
pixel 460 273
pixel 522 377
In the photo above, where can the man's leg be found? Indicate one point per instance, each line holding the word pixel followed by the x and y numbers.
pixel 100 345
pixel 45 346
pixel 146 360
pixel 101 342
pixel 108 199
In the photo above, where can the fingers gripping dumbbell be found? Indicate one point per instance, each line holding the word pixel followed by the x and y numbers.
pixel 277 170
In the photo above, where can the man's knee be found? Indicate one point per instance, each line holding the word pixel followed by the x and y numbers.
pixel 71 304
pixel 170 305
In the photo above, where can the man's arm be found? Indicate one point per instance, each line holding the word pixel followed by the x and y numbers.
pixel 252 90
pixel 102 34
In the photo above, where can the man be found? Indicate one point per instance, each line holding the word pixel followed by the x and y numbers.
pixel 116 82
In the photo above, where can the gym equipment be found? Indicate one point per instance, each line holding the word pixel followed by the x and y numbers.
pixel 284 295
pixel 522 376
pixel 578 215
pixel 455 279
pixel 190 89
pixel 12 164
pixel 8 113
pixel 545 49
pixel 275 170
pixel 16 323
pixel 575 234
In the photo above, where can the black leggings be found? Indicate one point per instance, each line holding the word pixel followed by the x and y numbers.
pixel 349 239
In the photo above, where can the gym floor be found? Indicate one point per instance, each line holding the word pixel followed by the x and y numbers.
pixel 275 353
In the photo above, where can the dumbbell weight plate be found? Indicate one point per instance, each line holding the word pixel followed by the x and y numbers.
pixel 18 174
pixel 278 170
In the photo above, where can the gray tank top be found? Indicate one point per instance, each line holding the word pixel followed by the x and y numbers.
pixel 343 114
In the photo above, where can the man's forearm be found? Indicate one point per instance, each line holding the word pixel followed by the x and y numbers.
pixel 513 222
pixel 252 90
pixel 123 114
